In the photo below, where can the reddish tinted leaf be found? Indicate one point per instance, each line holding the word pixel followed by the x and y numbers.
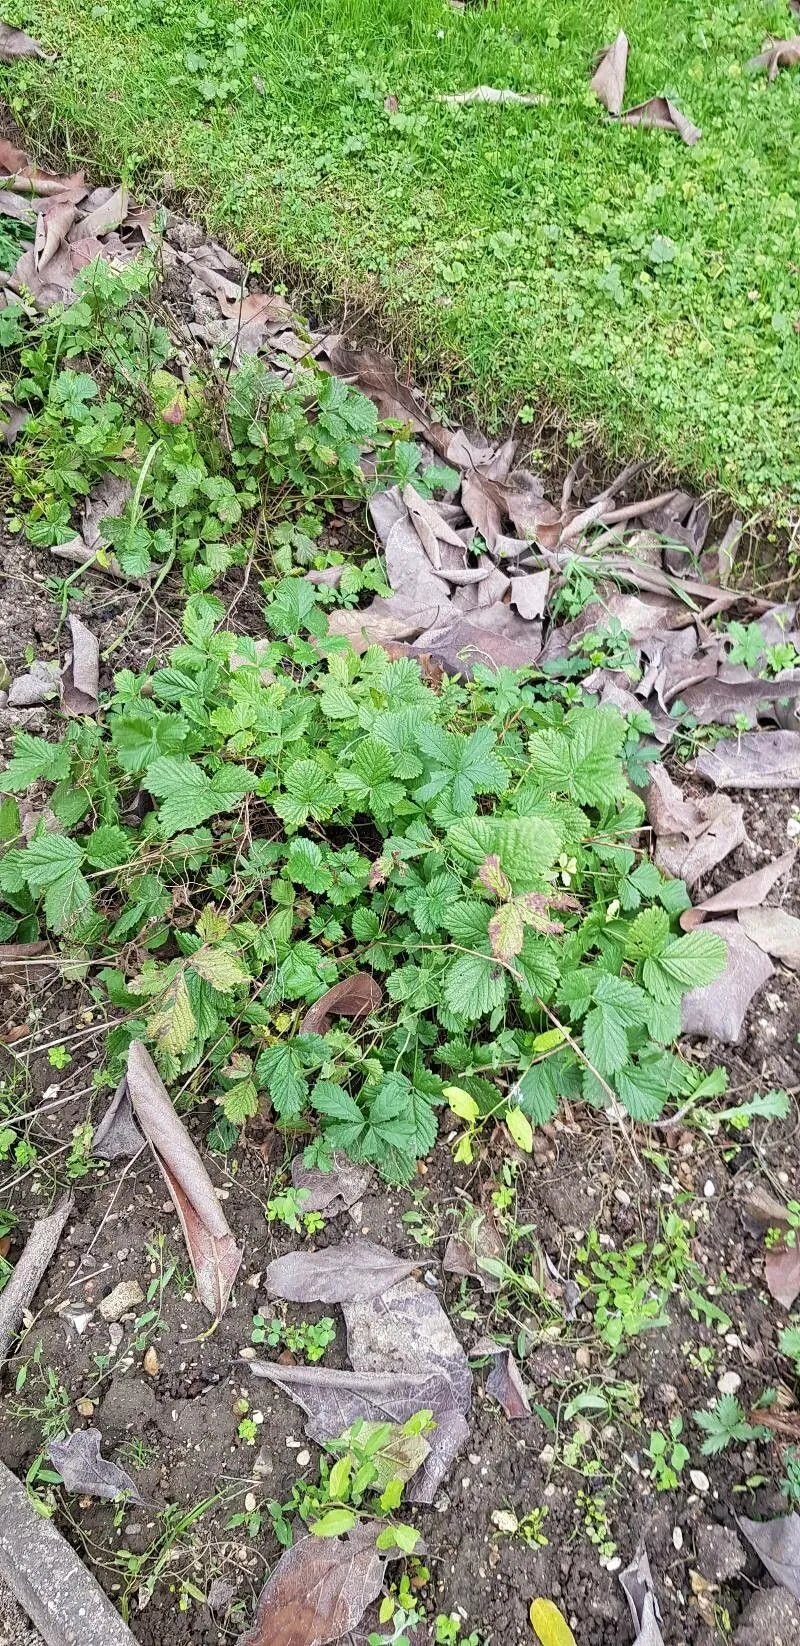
pixel 319 1589
pixel 504 1381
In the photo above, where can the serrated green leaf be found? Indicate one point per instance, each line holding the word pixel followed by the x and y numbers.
pixel 473 986
pixel 279 1069
pixel 189 796
pixel 689 962
pixel 33 758
pixel 605 1041
pixel 174 1025
pixel 52 864
pixel 220 967
pixel 526 846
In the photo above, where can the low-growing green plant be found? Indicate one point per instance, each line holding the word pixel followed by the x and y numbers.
pixel 631 1287
pixel 789 1344
pixel 288 1207
pixel 723 1422
pixel 309 1340
pixel 667 1456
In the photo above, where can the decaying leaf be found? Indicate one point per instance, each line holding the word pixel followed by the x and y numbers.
pixel 354 997
pixel 82 1469
pixel 118 1136
pixel 376 376
pixel 494 635
pixel 337 1274
pixel 658 111
pixel 407 1330
pixel 746 894
pixel 504 1382
pixel 467 1253
pixel 718 1009
pixel 724 700
pixel 80 681
pixel 14 43
pixel 212 1248
pixel 692 835
pixel 782 1271
pixel 775 931
pixel 777 54
pixel 756 760
pixel 608 80
pixel 549 1624
pixel 637 1583
pixel 777 1544
pixel 105 217
pixel 53 224
pixel 529 594
pixel 320 1589
pixel 332 1400
pixel 492 94
pixel 331 1192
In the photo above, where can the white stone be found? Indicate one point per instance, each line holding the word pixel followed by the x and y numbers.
pixel 505 1521
pixel 700 1482
pixel 728 1383
pixel 677 1539
pixel 303 1459
pixel 708 1189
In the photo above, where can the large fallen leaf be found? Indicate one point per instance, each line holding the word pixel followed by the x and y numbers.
pixel 333 1400
pixel 80 681
pixel 319 1589
pixel 549 1624
pixel 746 894
pixel 212 1248
pixel 20 206
pixel 376 376
pixel 692 835
pixel 723 701
pixel 775 931
pixel 608 80
pixel 53 224
pixel 408 567
pixel 756 760
pixel 777 1544
pixel 782 1269
pixel 337 1274
pixel 387 622
pixel 407 1330
pixel 118 1136
pixel 431 526
pixel 105 217
pixel 56 283
pixel 331 1192
pixel 494 635
pixel 353 997
pixel 492 94
pixel 82 1469
pixel 777 54
pixel 718 1009
pixel 504 1382
pixel 529 594
pixel 14 43
pixel 637 1583
pixel 659 112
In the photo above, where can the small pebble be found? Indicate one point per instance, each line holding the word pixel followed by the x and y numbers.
pixel 547 1455
pixel 303 1459
pixel 708 1189
pixel 622 1196
pixel 124 1297
pixel 151 1362
pixel 247 1354
pixel 250 1502
pixel 85 1407
pixel 583 1358
pixel 505 1521
pixel 728 1383
pixel 677 1539
pixel 699 1481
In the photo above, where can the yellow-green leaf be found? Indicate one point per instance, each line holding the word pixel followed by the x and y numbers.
pixel 461 1103
pixel 548 1040
pixel 173 1026
pixel 339 1477
pixel 521 1129
pixel 220 967
pixel 462 1153
pixel 549 1625
pixel 334 1523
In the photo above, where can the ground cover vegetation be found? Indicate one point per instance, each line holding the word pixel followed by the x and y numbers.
pixel 645 291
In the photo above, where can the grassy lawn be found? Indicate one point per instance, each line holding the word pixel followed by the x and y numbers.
pixel 648 290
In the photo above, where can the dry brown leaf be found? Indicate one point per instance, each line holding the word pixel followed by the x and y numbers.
pixel 105 217
pixel 775 931
pixel 20 206
pixel 718 1010
pixel 353 997
pixel 492 94
pixel 319 1589
pixel 529 594
pixel 337 1274
pixel 756 760
pixel 777 1544
pixel 52 227
pixel 386 622
pixel 12 159
pixel 782 1273
pixel 332 1400
pixel 608 80
pixel 637 1584
pixel 56 284
pixel 118 1136
pixel 376 376
pixel 504 1382
pixel 331 1192
pixel 692 835
pixel 14 43
pixel 494 635
pixel 658 111
pixel 212 1248
pixel 80 680
pixel 408 567
pixel 82 1469
pixel 777 54
pixel 478 1239
pixel 722 701
pixel 747 893
pixel 12 952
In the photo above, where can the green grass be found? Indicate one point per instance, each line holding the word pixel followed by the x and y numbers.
pixel 547 258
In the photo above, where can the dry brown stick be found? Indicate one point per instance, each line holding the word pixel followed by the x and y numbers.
pixel 40 1246
pixel 48 1579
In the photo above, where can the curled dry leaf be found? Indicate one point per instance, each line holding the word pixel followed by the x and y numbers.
pixel 118 1136
pixel 337 1274
pixel 475 1251
pixel 82 1469
pixel 529 594
pixel 746 894
pixel 504 1381
pixel 80 681
pixel 14 43
pixel 718 1010
pixel 637 1583
pixel 756 760
pixel 108 215
pixel 775 931
pixel 331 1192
pixel 492 94
pixel 319 1589
pixel 777 54
pixel 212 1248
pixel 376 376
pixel 354 997
pixel 692 835
pixel 608 80
pixel 11 953
pixel 659 112
pixel 777 1544
pixel 53 224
